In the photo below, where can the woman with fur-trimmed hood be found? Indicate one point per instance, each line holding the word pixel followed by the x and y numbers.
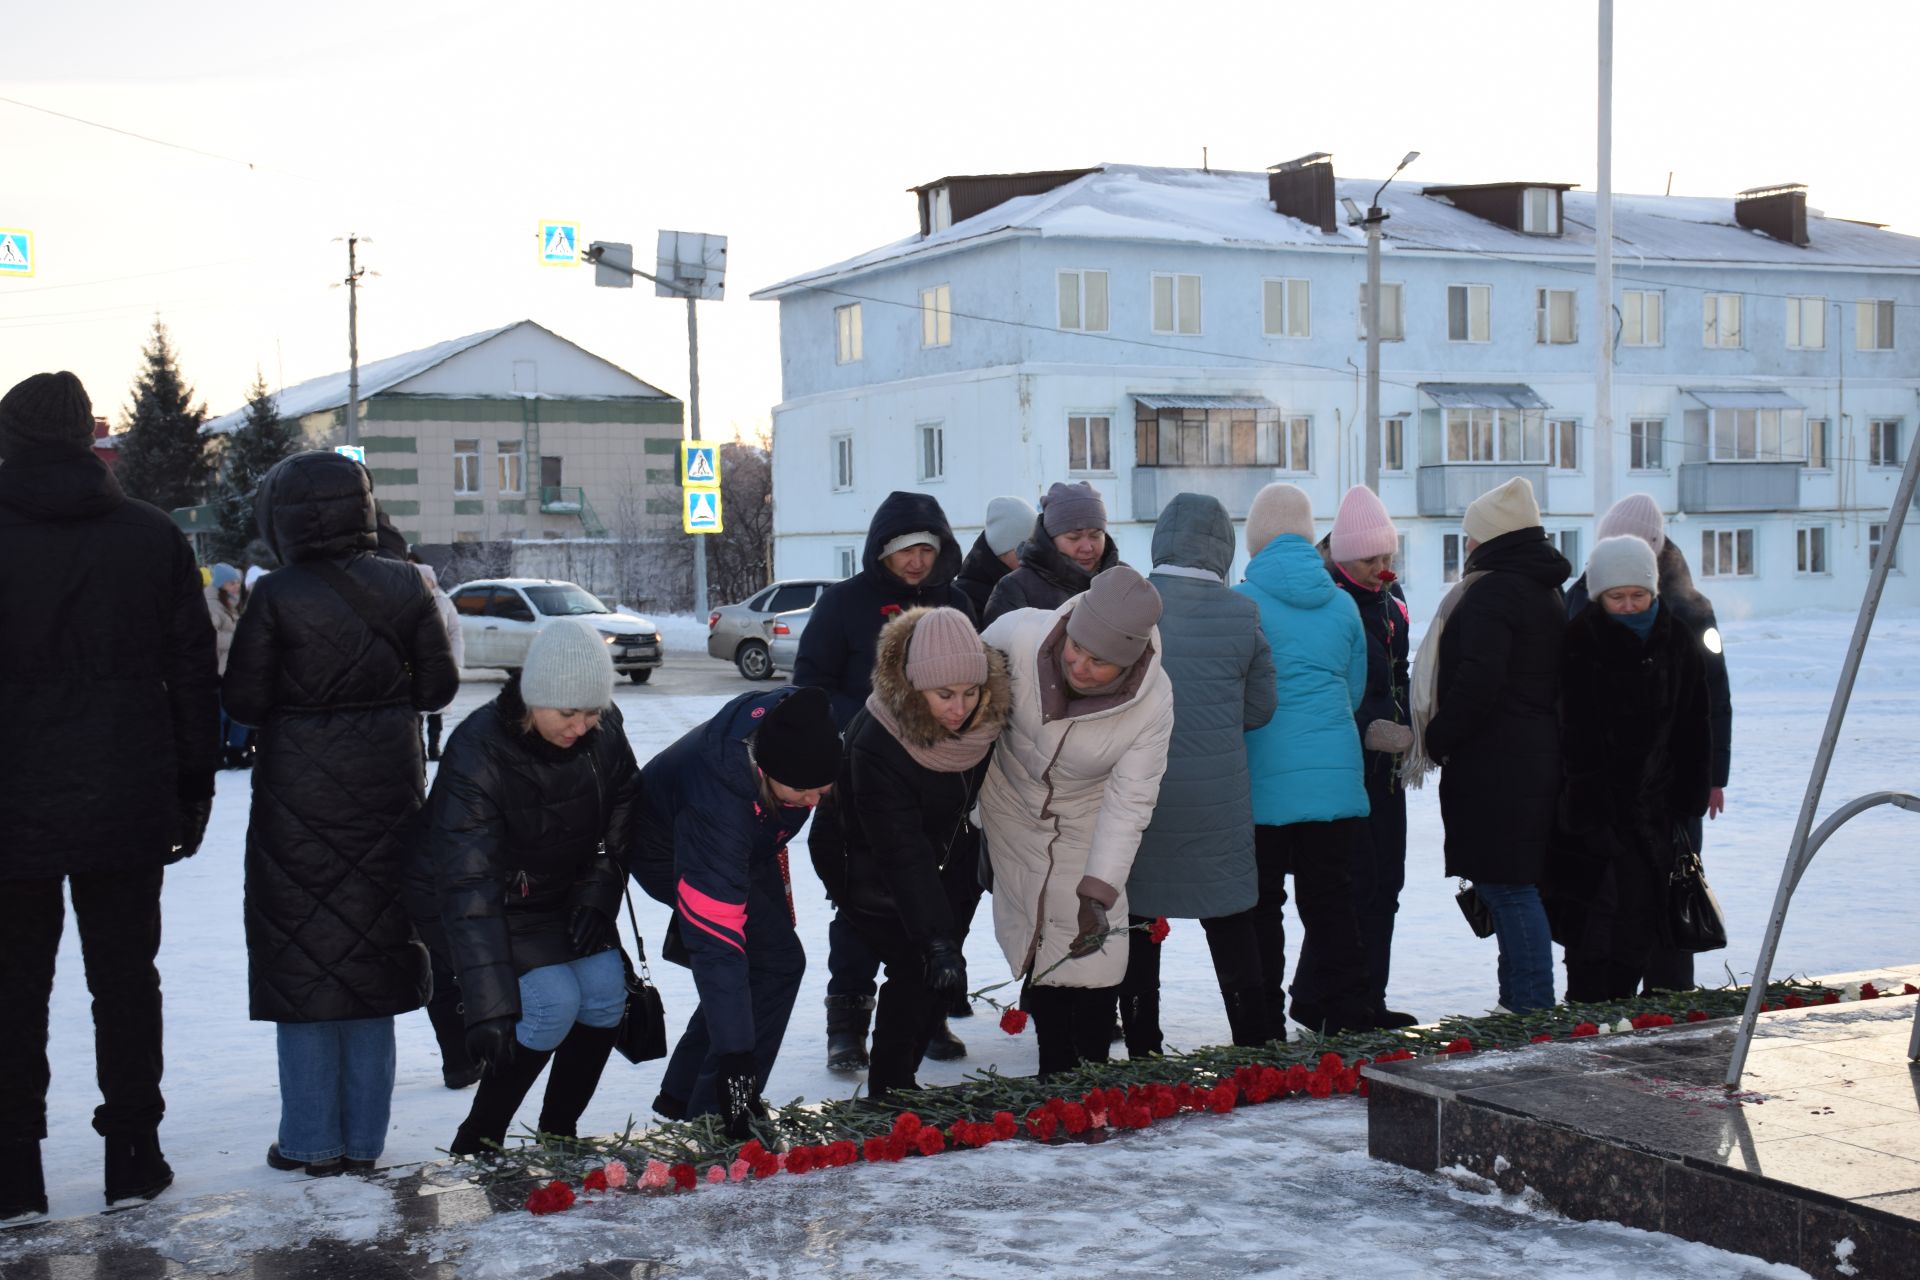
pixel 894 843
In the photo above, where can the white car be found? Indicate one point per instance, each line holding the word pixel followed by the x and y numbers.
pixel 499 616
pixel 783 638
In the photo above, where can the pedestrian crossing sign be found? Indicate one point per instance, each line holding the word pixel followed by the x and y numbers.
pixel 700 510
pixel 699 465
pixel 16 252
pixel 560 244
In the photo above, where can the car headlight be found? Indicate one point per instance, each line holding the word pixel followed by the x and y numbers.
pixel 608 636
pixel 658 638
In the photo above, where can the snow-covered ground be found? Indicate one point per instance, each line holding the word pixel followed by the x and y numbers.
pixel 1280 1178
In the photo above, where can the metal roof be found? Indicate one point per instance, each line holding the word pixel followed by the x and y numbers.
pixel 1483 395
pixel 1744 398
pixel 1203 402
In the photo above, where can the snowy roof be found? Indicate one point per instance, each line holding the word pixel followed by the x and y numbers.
pixel 329 391
pixel 1193 206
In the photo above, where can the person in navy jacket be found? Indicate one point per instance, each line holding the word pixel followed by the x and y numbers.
pixel 718 810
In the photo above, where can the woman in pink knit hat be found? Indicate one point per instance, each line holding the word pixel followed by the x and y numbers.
pixel 1360 555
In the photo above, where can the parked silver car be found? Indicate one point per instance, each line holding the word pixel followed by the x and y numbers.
pixel 499 617
pixel 737 633
pixel 783 637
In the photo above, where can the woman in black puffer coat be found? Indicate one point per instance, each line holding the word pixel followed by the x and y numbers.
pixel 335 687
pixel 533 790
pixel 894 843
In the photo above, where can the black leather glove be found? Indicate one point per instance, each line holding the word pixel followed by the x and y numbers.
pixel 1093 929
pixel 946 968
pixel 490 1044
pixel 736 1084
pixel 591 930
pixel 190 823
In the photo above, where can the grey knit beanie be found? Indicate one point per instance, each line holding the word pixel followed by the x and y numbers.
pixel 1111 619
pixel 1624 560
pixel 1072 506
pixel 1009 521
pixel 567 668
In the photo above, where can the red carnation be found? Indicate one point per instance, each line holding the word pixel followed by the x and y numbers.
pixel 1042 1124
pixel 683 1176
pixel 906 1124
pixel 1832 997
pixel 767 1165
pixel 1221 1099
pixel 1159 929
pixel 1387 575
pixel 1004 1125
pixel 1794 1002
pixel 1581 1029
pixel 552 1198
pixel 595 1181
pixel 1459 1044
pixel 1331 1062
pixel 1013 1021
pixel 1765 1007
pixel 1320 1084
pixel 1645 1020
pixel 1869 992
pixel 843 1152
pixel 752 1151
pixel 1542 1038
pixel 930 1141
pixel 1694 1015
pixel 888 610
pixel 1908 989
pixel 1075 1118
pixel 800 1160
pixel 897 1145
pixel 875 1149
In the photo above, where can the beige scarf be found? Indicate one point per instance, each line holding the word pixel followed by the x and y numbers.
pixel 954 754
pixel 1426 680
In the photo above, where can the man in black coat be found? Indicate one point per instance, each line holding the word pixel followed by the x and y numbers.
pixel 107 752
pixel 1495 728
pixel 911 559
pixel 996 552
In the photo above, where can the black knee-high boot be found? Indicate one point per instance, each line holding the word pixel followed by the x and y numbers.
pixel 577 1065
pixel 500 1094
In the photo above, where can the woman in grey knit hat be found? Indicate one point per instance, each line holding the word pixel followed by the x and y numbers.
pixel 532 792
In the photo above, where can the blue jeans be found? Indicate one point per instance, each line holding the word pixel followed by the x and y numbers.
pixel 336 1088
pixel 1526 945
pixel 592 989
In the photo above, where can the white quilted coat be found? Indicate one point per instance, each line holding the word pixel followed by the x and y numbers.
pixel 1065 799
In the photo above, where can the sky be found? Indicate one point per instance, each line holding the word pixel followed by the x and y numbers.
pixel 447 132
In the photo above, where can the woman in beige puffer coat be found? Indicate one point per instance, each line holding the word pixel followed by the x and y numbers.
pixel 1072 785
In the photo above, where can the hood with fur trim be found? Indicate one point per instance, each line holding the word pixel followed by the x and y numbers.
pixel 917 722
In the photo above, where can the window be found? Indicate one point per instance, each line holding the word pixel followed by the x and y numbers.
pixel 1496 435
pixel 1755 435
pixel 1567 543
pixel 1883 442
pixel 1726 553
pixel 846 561
pixel 513 465
pixel 1720 320
pixel 1392 320
pixel 1393 444
pixel 1452 553
pixel 507 603
pixel 1810 550
pixel 933 451
pixel 1873 324
pixel 1400 562
pixel 1876 538
pixel 471 603
pixel 1644 441
pixel 939 209
pixel 1553 316
pixel 1564 435
pixel 1806 323
pixel 1285 309
pixel 1089 442
pixel 847 322
pixel 1176 303
pixel 1817 445
pixel 1540 211
pixel 1641 316
pixel 842 451
pixel 1240 437
pixel 936 316
pixel 795 595
pixel 466 466
pixel 1296 451
pixel 1083 301
pixel 1469 308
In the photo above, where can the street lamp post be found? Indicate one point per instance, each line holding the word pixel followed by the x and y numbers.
pixel 1371 220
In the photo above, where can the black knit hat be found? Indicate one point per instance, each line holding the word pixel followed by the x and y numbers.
pixel 46 409
pixel 797 744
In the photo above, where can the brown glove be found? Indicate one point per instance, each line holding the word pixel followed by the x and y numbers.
pixel 1385 735
pixel 1093 928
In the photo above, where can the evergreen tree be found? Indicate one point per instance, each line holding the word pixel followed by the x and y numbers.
pixel 163 457
pixel 251 450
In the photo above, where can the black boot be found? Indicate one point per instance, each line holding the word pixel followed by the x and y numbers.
pixel 946 1046
pixel 136 1170
pixel 847 1018
pixel 457 1067
pixel 577 1065
pixel 1247 1018
pixel 1140 1019
pixel 500 1094
pixel 958 1006
pixel 23 1190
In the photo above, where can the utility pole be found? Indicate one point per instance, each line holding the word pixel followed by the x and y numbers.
pixel 1371 221
pixel 693 426
pixel 1603 278
pixel 354 272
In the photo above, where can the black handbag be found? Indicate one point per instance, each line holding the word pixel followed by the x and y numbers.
pixel 643 1027
pixel 1693 920
pixel 1474 907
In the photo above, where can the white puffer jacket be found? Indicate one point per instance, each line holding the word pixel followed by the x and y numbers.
pixel 1065 799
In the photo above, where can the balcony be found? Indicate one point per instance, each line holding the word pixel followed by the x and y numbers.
pixel 1709 487
pixel 1154 487
pixel 1446 490
pixel 562 500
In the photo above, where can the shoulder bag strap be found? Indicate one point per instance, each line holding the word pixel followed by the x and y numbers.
pixel 361 601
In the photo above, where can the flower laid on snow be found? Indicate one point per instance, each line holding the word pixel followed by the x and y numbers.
pixel 615 1173
pixel 1850 991
pixel 595 1181
pixel 683 1176
pixel 1868 992
pixel 1645 1020
pixel 739 1170
pixel 655 1176
pixel 1623 1025
pixel 1542 1038
pixel 1013 1021
pixel 554 1197
pixel 717 1173
pixel 1459 1044
pixel 1695 1015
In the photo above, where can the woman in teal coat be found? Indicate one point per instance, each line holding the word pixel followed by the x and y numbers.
pixel 1309 792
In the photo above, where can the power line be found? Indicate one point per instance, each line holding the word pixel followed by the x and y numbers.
pixel 249 165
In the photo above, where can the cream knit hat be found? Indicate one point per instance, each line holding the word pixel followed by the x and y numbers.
pixel 1504 510
pixel 1278 509
pixel 567 668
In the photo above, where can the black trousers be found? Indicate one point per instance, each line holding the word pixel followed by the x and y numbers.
pixel 1332 979
pixel 1595 979
pixel 118 913
pixel 908 1014
pixel 1235 945
pixel 1074 1025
